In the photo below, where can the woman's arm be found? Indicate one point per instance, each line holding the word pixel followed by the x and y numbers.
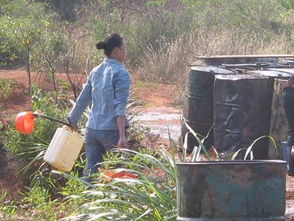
pixel 81 104
pixel 121 93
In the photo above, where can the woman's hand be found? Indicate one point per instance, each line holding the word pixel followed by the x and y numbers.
pixel 122 142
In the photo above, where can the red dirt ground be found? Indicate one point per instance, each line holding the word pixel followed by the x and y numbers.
pixel 19 100
pixel 156 95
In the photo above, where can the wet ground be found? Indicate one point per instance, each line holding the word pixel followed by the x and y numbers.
pixel 165 121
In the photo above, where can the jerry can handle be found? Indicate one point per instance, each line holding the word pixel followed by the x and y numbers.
pixel 39 114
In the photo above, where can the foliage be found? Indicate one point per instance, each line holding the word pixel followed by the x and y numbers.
pixel 66 8
pixel 151 196
pixel 25 32
pixel 30 149
pixel 152 30
pixel 51 52
pixel 171 62
pixel 163 37
pixel 6 85
pixel 211 153
pixel 39 199
pixel 8 208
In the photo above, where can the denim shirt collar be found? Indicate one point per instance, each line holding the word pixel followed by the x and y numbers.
pixel 112 61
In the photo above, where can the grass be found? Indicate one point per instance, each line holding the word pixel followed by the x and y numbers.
pixel 152 196
pixel 8 208
pixel 169 62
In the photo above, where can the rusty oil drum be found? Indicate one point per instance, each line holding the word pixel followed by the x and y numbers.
pixel 278 123
pixel 242 108
pixel 198 100
pixel 231 190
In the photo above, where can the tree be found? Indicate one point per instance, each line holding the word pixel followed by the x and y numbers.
pixel 24 35
pixel 25 26
pixel 51 53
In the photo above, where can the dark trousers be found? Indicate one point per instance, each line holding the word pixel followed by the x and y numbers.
pixel 97 142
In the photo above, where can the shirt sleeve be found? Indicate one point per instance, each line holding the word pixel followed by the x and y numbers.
pixel 121 81
pixel 81 103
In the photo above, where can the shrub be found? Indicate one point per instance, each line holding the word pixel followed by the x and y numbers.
pixel 170 62
pixel 30 149
pixel 6 85
pixel 38 200
pixel 152 196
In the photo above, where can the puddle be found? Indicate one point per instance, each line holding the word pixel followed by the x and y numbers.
pixel 162 123
pixel 154 116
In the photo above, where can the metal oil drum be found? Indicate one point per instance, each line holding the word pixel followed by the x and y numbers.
pixel 242 106
pixel 231 191
pixel 278 122
pixel 198 101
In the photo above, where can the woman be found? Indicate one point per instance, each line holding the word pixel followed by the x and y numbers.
pixel 107 87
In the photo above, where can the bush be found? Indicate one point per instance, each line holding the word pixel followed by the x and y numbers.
pixel 152 30
pixel 30 149
pixel 170 63
pixel 8 208
pixel 6 85
pixel 38 200
pixel 152 196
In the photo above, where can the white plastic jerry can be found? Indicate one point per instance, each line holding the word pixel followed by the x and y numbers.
pixel 64 149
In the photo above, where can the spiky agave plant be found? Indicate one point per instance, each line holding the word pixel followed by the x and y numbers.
pixel 151 196
pixel 231 155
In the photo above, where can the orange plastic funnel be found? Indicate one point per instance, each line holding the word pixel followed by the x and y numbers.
pixel 25 122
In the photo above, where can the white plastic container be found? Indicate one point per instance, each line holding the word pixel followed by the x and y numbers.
pixel 64 149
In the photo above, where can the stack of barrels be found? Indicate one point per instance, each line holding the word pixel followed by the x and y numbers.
pixel 239 106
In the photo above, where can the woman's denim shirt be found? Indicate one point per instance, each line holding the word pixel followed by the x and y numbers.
pixel 108 88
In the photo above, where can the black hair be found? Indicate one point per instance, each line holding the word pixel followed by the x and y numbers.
pixel 111 41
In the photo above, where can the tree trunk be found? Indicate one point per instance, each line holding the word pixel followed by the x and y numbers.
pixel 54 84
pixel 54 80
pixel 73 86
pixel 29 70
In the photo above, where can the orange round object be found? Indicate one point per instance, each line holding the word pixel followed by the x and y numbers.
pixel 25 122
